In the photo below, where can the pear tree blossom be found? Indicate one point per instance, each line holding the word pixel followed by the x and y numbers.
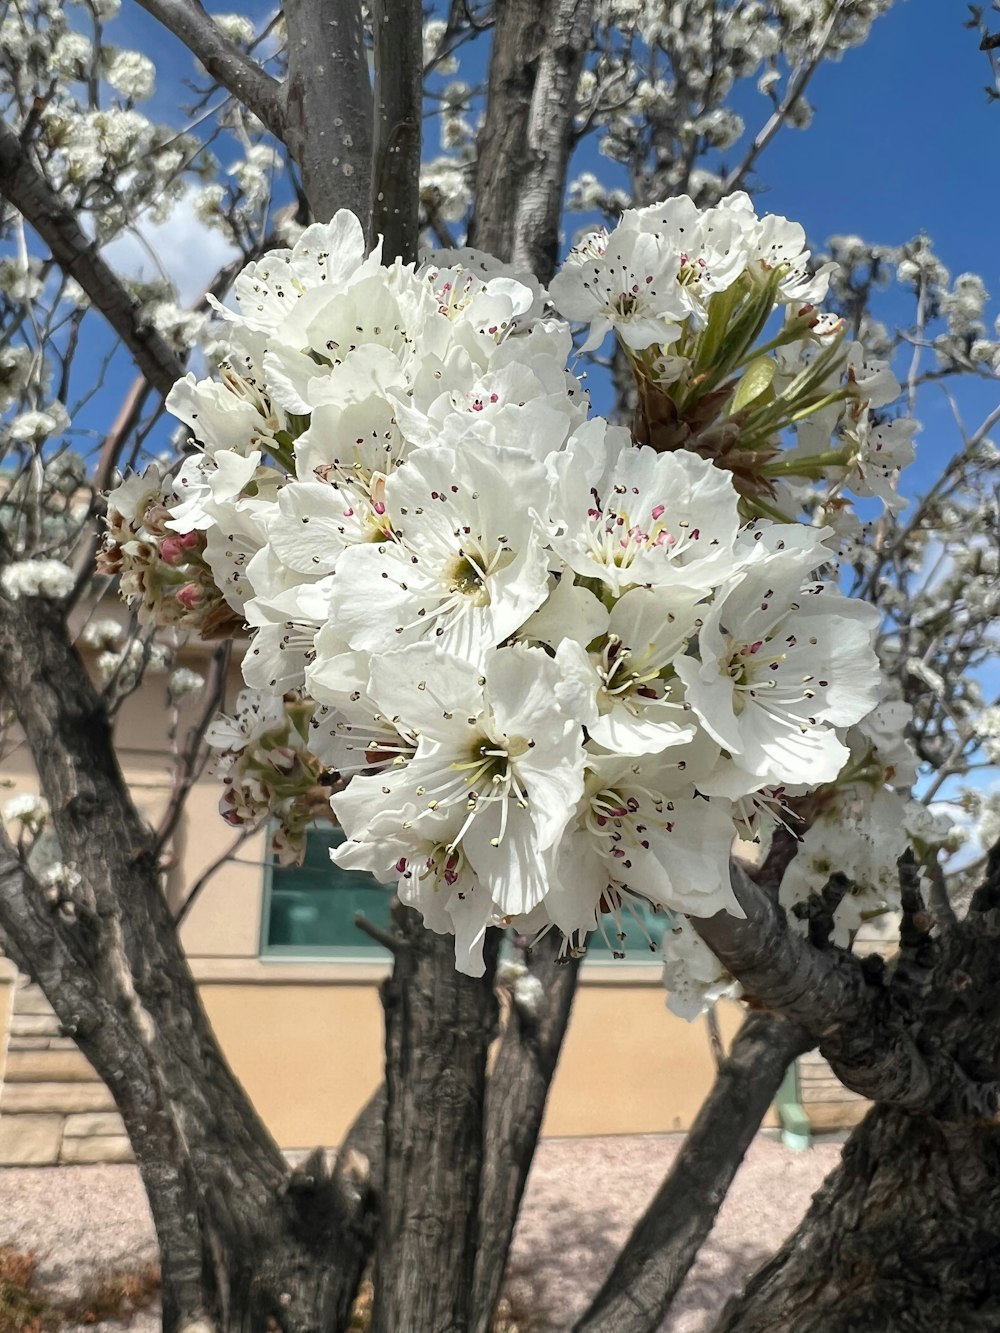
pixel 545 657
pixel 541 667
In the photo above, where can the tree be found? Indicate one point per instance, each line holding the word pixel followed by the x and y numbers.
pixel 431 1178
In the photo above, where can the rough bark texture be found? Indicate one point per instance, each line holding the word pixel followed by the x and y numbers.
pixel 902 1238
pixel 904 1235
pixel 397 30
pixel 241 1240
pixel 526 138
pixel 439 1025
pixel 861 1016
pixel 648 1273
pixel 515 1104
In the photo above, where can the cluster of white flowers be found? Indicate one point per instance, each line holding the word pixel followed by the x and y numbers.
pixel 267 769
pixel 37 425
pixel 688 293
pixel 27 809
pixel 553 667
pixel 104 634
pixel 694 53
pixel 126 666
pixel 864 827
pixel 37 578
pixel 185 683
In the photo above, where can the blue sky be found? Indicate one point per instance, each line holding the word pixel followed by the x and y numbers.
pixel 903 141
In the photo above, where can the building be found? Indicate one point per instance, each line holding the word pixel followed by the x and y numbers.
pixel 291 989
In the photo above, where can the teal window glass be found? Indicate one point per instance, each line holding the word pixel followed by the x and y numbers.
pixel 639 934
pixel 309 909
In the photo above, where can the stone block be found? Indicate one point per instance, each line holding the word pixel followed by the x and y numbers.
pixel 817 1093
pixel 30 1000
pixel 61 1098
pixel 30 1140
pixel 836 1115
pixel 59 1066
pixel 35 1025
pixel 93 1123
pixel 99 1148
pixel 29 1043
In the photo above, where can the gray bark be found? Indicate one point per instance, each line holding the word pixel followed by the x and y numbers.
pixel 516 1096
pixel 397 27
pixel 902 1238
pixel 328 105
pixel 222 58
pixel 904 1235
pixel 241 1241
pixel 861 1017
pixel 525 142
pixel 322 113
pixel 439 1025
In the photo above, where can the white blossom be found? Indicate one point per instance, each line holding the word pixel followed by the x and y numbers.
pixel 184 683
pixel 37 578
pixel 692 975
pixel 542 660
pixel 28 809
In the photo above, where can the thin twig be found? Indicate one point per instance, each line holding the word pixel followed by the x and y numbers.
pixel 188 769
pixel 384 937
pixel 183 911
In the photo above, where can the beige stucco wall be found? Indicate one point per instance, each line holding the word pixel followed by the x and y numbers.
pixel 305 1037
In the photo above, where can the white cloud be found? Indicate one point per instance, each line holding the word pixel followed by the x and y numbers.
pixel 182 248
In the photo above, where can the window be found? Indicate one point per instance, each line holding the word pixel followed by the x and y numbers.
pixel 309 909
pixel 635 945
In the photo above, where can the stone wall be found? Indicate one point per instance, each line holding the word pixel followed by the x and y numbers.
pixel 53 1107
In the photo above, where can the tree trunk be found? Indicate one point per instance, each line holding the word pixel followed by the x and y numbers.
pixel 902 1238
pixel 439 1025
pixel 515 1104
pixel 241 1240
pixel 527 135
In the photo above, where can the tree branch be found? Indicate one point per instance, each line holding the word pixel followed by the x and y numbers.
pixel 223 59
pixel 798 84
pixel 648 1273
pixel 525 141
pixel 188 770
pixel 863 1028
pixel 77 255
pixel 328 108
pixel 399 82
